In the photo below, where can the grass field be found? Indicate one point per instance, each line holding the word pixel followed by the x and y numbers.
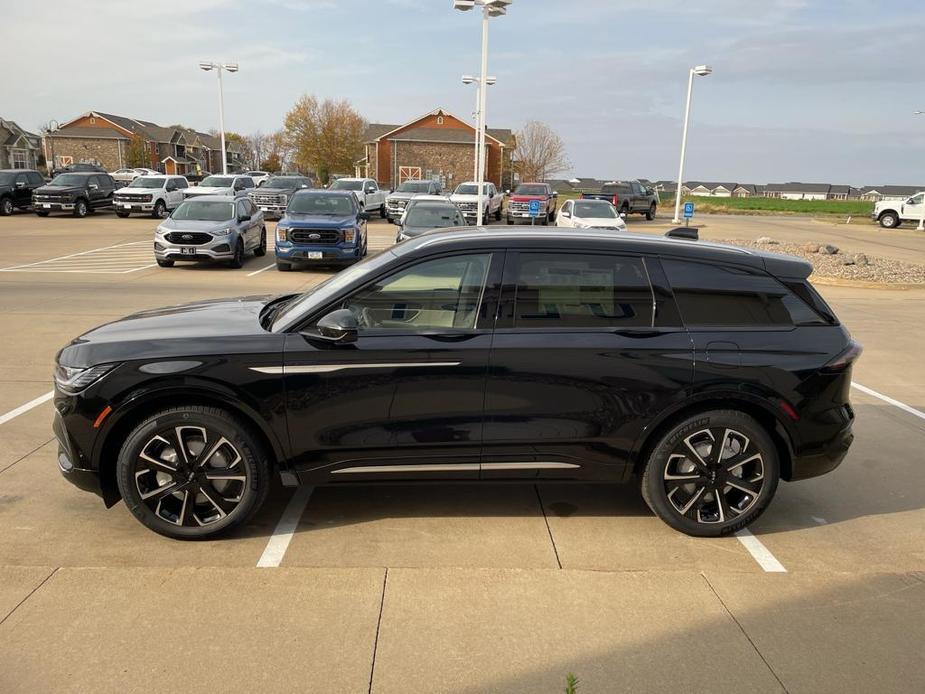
pixel 853 208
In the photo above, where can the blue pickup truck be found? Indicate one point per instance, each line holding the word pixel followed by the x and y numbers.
pixel 321 227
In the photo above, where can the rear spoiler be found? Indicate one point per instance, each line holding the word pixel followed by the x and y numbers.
pixel 689 233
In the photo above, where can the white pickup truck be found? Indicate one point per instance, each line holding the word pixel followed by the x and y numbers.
pixel 369 195
pixel 892 213
pixel 466 198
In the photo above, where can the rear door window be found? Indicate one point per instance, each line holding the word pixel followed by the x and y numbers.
pixel 726 296
pixel 572 290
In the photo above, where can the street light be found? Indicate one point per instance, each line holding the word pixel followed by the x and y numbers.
pixel 490 8
pixel 479 139
pixel 218 67
pixel 700 71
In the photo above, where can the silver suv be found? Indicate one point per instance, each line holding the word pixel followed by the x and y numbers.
pixel 211 227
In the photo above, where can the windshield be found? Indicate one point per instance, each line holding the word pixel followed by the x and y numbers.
pixel 598 210
pixel 343 184
pixel 414 187
pixel 204 211
pixel 339 205
pixel 6 179
pixel 530 190
pixel 256 173
pixel 284 182
pixel 144 182
pixel 434 216
pixel 321 293
pixel 470 189
pixel 218 181
pixel 69 180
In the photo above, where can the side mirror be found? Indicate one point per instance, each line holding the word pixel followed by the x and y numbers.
pixel 567 214
pixel 94 186
pixel 623 215
pixel 243 218
pixel 507 192
pixel 555 194
pixel 338 327
pixel 20 184
pixel 363 215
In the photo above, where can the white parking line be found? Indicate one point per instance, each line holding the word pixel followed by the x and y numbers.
pixel 12 414
pixel 278 543
pixel 759 552
pixel 895 403
pixel 263 269
pixel 119 259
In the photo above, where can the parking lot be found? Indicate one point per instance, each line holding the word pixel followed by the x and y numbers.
pixel 456 588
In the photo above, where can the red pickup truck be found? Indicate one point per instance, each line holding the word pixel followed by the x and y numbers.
pixel 518 207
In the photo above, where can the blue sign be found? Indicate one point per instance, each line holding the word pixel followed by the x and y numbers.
pixel 534 208
pixel 688 210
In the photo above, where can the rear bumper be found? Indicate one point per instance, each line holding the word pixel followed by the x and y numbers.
pixel 825 460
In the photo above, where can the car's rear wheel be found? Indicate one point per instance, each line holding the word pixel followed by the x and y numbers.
pixel 712 473
pixel 237 261
pixel 383 212
pixel 650 214
pixel 80 208
pixel 192 472
pixel 160 210
pixel 261 249
pixel 889 220
pixel 6 207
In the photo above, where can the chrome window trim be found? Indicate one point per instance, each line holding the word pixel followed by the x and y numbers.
pixel 331 368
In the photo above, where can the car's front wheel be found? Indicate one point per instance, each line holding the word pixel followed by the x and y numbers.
pixel 160 210
pixel 192 472
pixel 889 220
pixel 6 207
pixel 261 249
pixel 81 209
pixel 383 212
pixel 237 260
pixel 712 473
pixel 650 213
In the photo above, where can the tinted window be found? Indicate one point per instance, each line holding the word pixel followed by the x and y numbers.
pixel 344 184
pixel 725 296
pixel 595 209
pixel 616 189
pixel 415 187
pixel 204 211
pixel 323 204
pixel 581 291
pixel 424 215
pixel 36 178
pixel 524 189
pixel 441 293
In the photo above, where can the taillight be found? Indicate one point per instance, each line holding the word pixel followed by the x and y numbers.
pixel 616 199
pixel 844 360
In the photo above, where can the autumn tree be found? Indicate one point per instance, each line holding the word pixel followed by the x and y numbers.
pixel 539 152
pixel 136 151
pixel 326 136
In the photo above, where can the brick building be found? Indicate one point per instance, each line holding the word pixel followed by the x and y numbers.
pixel 104 139
pixel 436 145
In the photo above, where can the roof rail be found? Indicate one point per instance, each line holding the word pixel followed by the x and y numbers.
pixel 688 233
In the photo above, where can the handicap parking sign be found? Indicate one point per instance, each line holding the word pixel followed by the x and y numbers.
pixel 688 210
pixel 534 208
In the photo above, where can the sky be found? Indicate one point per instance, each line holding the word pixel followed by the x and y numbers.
pixel 802 90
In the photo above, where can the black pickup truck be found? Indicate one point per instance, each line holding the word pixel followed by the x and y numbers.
pixel 78 193
pixel 16 186
pixel 628 197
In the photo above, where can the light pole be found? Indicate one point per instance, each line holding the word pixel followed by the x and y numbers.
pixel 218 67
pixel 479 132
pixel 490 8
pixel 921 226
pixel 701 71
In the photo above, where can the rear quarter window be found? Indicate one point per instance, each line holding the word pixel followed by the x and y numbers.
pixel 711 295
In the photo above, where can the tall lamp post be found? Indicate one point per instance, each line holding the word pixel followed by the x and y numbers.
pixel 479 134
pixel 700 71
pixel 921 226
pixel 490 8
pixel 218 67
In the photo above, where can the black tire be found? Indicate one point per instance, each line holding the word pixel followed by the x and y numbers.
pixel 122 214
pixel 889 220
pixel 6 207
pixel 261 249
pixel 41 213
pixel 510 221
pixel 625 210
pixel 498 214
pixel 283 267
pixel 383 212
pixel 650 213
pixel 199 432
pixel 686 452
pixel 160 210
pixel 165 263
pixel 81 209
pixel 237 262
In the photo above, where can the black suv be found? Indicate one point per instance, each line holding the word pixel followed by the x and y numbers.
pixel 79 193
pixel 706 372
pixel 16 186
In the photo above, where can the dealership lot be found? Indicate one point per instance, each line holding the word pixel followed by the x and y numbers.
pixel 452 588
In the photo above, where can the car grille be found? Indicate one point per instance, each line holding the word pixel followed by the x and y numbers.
pixel 53 198
pixel 398 204
pixel 189 238
pixel 468 205
pixel 266 199
pixel 314 236
pixel 522 206
pixel 126 197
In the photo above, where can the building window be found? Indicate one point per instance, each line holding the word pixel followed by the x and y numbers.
pixel 92 121
pixel 439 120
pixel 19 159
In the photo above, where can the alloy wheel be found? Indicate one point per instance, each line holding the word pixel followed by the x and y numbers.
pixel 714 475
pixel 190 476
pixel 6 207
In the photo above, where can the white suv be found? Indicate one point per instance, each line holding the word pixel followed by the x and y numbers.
pixel 155 195
pixel 222 184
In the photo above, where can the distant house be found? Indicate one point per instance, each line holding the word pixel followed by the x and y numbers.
pixel 704 189
pixel 19 149
pixel 666 186
pixel 877 193
pixel 748 190
pixel 795 190
pixel 842 193
pixel 105 139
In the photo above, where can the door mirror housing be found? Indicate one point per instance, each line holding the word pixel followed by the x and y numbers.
pixel 567 214
pixel 623 215
pixel 93 186
pixel 243 218
pixel 338 327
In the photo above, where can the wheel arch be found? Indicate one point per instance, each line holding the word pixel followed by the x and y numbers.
pixel 106 451
pixel 887 210
pixel 771 421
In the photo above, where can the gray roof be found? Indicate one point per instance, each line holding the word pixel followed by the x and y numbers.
pixel 100 133
pixel 797 187
pixel 14 132
pixel 710 185
pixel 448 135
pixel 376 130
pixel 893 190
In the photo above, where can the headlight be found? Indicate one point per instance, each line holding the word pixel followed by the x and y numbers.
pixel 350 235
pixel 223 232
pixel 282 233
pixel 72 380
pixel 161 231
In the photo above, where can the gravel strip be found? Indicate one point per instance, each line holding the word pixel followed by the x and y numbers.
pixel 841 264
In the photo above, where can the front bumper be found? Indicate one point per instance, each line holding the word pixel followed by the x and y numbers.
pixel 69 461
pixel 272 210
pixel 291 253
pixel 133 206
pixel 395 211
pixel 53 206
pixel 221 248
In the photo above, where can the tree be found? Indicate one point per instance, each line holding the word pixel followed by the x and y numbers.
pixel 136 152
pixel 326 136
pixel 539 152
pixel 271 163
